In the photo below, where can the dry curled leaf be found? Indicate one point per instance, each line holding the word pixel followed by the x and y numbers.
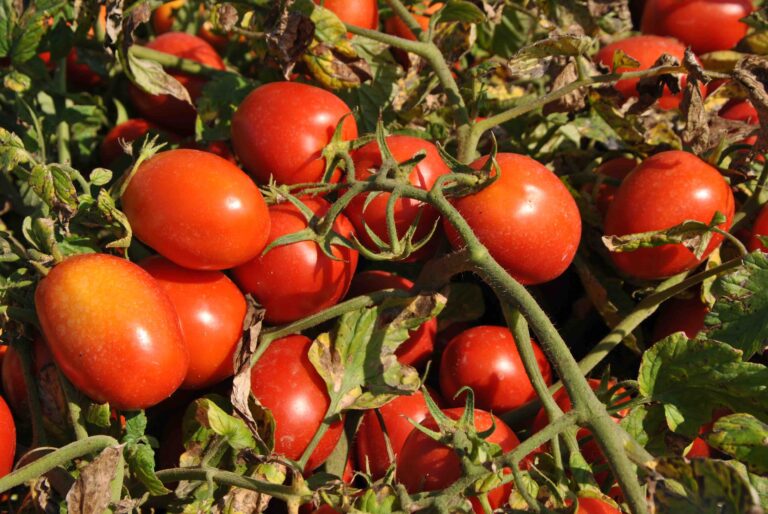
pixel 696 131
pixel 651 89
pixel 572 102
pixel 91 493
pixel 290 36
pixel 752 73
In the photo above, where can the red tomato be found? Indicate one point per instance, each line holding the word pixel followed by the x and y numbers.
pixel 112 331
pixel 527 219
pixel 79 73
pixel 427 465
pixel 367 161
pixel 165 109
pixel 646 50
pixel 295 280
pixel 197 209
pixel 760 228
pixel 281 128
pixel 211 310
pixel 663 191
pixel 486 359
pixel 14 386
pixel 704 25
pixel 7 439
pixel 699 449
pixel 128 131
pixel 742 111
pixel 595 506
pixel 361 13
pixel 617 168
pixel 417 350
pixel 680 315
pixel 162 17
pixel 397 27
pixel 286 383
pixel 370 445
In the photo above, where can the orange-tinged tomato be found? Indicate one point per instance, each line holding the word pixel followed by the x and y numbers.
pixel 361 13
pixel 7 439
pixel 162 17
pixel 112 331
pixel 397 27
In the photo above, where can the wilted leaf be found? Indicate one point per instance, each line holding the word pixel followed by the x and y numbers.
pixel 743 437
pixel 460 10
pixel 150 77
pixel 752 72
pixel 573 101
pixel 335 70
pixel 622 60
pixel 91 492
pixel 290 36
pixel 696 131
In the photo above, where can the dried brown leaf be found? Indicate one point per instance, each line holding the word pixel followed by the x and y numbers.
pixel 696 131
pixel 91 492
pixel 227 16
pixel 289 37
pixel 752 73
pixel 574 101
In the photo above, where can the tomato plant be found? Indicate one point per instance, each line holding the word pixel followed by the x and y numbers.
pixel 363 13
pixel 589 505
pixel 7 438
pixel 680 315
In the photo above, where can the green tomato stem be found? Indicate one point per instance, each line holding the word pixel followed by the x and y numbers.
pixel 404 14
pixel 73 408
pixel 228 478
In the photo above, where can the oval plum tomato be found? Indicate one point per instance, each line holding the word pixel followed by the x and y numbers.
pixel 295 280
pixel 417 350
pixel 166 110
pixel 486 359
pixel 281 128
pixel 374 215
pixel 361 13
pixel 211 310
pixel 595 506
pixel 106 319
pixel 527 219
pixel 646 50
pixel 742 111
pixel 286 383
pixel 665 190
pixel 197 209
pixel 680 315
pixel 370 446
pixel 617 168
pixel 7 439
pixel 128 131
pixel 760 228
pixel 704 25
pixel 427 465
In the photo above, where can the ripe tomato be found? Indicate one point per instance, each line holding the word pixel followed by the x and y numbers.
pixel 211 310
pixel 427 465
pixel 527 219
pixel 197 209
pixel 617 168
pixel 680 315
pixel 7 439
pixel 128 131
pixel 370 446
pixel 367 161
pixel 595 506
pixel 361 13
pixel 646 50
pixel 164 109
pixel 704 25
pixel 295 280
pixel 699 449
pixel 14 386
pixel 281 128
pixel 417 350
pixel 286 383
pixel 397 27
pixel 665 190
pixel 79 73
pixel 112 331
pixel 486 359
pixel 760 228
pixel 162 17
pixel 742 111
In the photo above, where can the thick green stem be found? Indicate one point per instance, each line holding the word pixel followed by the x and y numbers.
pixel 177 63
pixel 62 142
pixel 73 408
pixel 331 416
pixel 402 12
pixel 279 491
pixel 514 457
pixel 59 457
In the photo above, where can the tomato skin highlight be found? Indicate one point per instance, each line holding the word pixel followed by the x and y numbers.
pixel 361 13
pixel 285 381
pixel 7 439
pixel 166 110
pixel 427 465
pixel 211 311
pixel 106 319
pixel 423 176
pixel 704 25
pixel 281 128
pixel 486 359
pixel 527 219
pixel 296 280
pixel 665 190
pixel 197 209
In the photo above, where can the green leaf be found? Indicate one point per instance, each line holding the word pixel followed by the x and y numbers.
pixel 460 10
pixel 648 426
pixel 100 176
pixel 221 96
pixel 743 437
pixel 53 184
pixel 741 306
pixel 691 378
pixel 759 483
pixel 12 151
pixel 135 426
pixel 17 82
pixel 141 463
pixel 150 77
pixel 234 430
pixel 98 414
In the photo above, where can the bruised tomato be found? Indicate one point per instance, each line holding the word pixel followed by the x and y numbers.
pixel 211 311
pixel 112 331
pixel 665 190
pixel 526 218
pixel 280 129
pixel 7 439
pixel 295 280
pixel 285 381
pixel 197 209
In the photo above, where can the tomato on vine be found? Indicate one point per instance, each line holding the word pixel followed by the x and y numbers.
pixel 361 13
pixel 680 315
pixel 7 439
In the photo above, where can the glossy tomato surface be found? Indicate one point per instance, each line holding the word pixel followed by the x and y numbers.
pixel 112 331
pixel 166 110
pixel 646 50
pixel 370 446
pixel 527 219
pixel 427 465
pixel 665 190
pixel 7 439
pixel 680 315
pixel 281 128
pixel 760 228
pixel 704 25
pixel 197 209
pixel 295 280
pixel 417 350
pixel 374 215
pixel 211 310
pixel 486 359
pixel 362 13
pixel 286 383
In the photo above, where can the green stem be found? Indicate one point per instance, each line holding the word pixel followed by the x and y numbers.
pixel 754 202
pixel 176 63
pixel 402 12
pixel 549 432
pixel 733 240
pixel 24 351
pixel 73 407
pixel 62 142
pixel 59 457
pixel 331 416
